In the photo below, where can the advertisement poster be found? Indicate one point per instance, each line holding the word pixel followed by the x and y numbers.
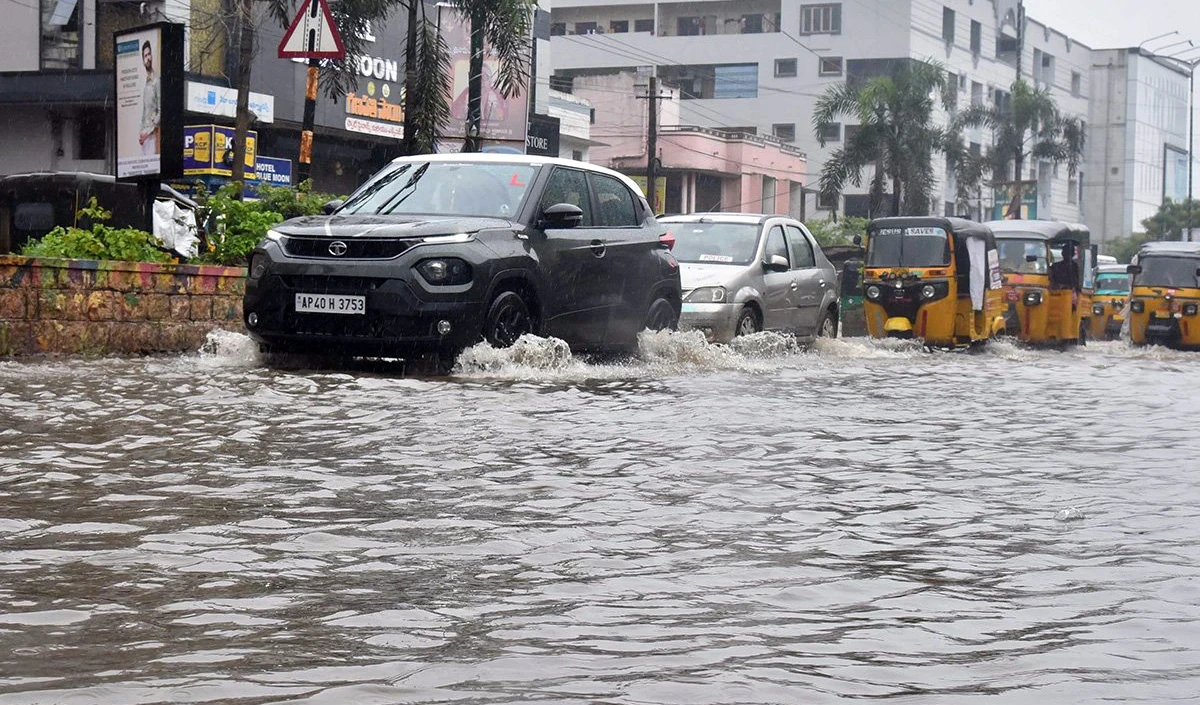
pixel 139 103
pixel 1015 200
pixel 208 149
pixel 502 119
pixel 149 86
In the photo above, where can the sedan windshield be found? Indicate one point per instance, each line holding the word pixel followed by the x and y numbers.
pixel 492 189
pixel 1015 256
pixel 1116 283
pixel 908 247
pixel 715 243
pixel 1175 272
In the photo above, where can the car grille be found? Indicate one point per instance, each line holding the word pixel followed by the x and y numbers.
pixel 331 285
pixel 356 248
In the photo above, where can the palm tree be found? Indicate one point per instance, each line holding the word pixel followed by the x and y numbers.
pixel 895 136
pixel 1028 126
pixel 427 85
pixel 503 27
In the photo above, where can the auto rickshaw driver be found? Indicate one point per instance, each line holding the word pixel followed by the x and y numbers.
pixel 1064 274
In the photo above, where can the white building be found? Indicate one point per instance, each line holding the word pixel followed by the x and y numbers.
pixel 1138 141
pixel 759 65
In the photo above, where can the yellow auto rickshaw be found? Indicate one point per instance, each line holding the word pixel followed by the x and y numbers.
pixel 1109 301
pixel 1164 301
pixel 931 278
pixel 1048 269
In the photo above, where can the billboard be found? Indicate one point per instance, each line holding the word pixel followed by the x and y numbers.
pixel 149 84
pixel 501 119
pixel 208 149
pixel 1015 200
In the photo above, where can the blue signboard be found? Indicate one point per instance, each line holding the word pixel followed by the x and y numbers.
pixel 272 171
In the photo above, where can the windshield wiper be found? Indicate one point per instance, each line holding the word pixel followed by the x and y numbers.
pixel 376 187
pixel 412 181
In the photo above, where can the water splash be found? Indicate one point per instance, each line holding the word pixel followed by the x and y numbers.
pixel 530 354
pixel 226 348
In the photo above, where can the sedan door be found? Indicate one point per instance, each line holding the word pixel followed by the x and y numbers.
pixel 782 301
pixel 812 284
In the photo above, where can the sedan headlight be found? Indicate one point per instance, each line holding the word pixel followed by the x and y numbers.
pixel 1032 298
pixel 873 292
pixel 1190 309
pixel 445 271
pixel 1137 306
pixel 258 265
pixel 1098 309
pixel 707 295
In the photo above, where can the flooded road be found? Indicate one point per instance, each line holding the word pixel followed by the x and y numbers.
pixel 701 525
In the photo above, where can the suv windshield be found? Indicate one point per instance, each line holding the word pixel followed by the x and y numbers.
pixel 1115 283
pixel 715 243
pixel 1015 254
pixel 1168 271
pixel 491 189
pixel 908 247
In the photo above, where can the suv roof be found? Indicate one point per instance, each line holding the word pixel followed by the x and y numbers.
pixel 501 158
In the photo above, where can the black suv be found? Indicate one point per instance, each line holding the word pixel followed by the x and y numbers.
pixel 437 252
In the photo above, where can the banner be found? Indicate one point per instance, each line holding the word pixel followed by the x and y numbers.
pixel 208 149
pixel 502 119
pixel 1015 200
pixel 148 76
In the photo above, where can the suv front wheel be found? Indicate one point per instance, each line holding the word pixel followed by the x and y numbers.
pixel 507 320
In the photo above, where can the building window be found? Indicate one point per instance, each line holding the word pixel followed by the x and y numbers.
pixel 643 26
pixel 831 133
pixel 1046 69
pixel 976 93
pixel 60 34
pixel 558 29
pixel 784 131
pixel 751 24
pixel 830 66
pixel 948 26
pixel 618 26
pixel 688 26
pixel 976 38
pixel 735 81
pixel 1072 190
pixel 1002 100
pixel 849 131
pixel 1076 83
pixel 577 154
pixel 826 202
pixel 592 116
pixel 821 19
pixel 785 68
pixel 962 82
pixel 585 28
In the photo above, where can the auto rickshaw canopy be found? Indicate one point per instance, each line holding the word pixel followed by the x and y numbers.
pixel 960 228
pixel 1054 232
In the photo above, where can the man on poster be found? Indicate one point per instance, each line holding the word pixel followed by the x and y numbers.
pixel 148 133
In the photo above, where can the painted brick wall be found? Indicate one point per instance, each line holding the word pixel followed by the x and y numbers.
pixel 102 307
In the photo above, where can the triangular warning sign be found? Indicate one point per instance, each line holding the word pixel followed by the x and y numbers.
pixel 312 35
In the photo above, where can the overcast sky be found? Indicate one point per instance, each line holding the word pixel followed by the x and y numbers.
pixel 1103 24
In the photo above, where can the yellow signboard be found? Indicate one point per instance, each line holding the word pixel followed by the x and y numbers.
pixel 658 203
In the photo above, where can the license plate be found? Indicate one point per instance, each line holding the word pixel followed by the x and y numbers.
pixel 330 303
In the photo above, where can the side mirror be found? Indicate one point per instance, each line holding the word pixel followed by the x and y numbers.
pixel 1031 258
pixel 561 216
pixel 857 240
pixel 776 263
pixel 1134 269
pixel 333 205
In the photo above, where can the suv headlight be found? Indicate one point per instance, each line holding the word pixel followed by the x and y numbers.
pixel 275 236
pixel 873 292
pixel 445 271
pixel 707 295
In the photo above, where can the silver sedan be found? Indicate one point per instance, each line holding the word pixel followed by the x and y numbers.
pixel 743 274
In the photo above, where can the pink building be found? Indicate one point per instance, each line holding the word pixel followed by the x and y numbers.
pixel 704 169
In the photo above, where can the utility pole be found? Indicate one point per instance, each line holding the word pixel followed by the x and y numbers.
pixel 242 119
pixel 1191 137
pixel 652 146
pixel 304 167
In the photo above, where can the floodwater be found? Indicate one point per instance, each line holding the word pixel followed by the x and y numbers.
pixel 859 521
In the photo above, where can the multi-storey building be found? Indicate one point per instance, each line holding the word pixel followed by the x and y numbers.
pixel 1139 141
pixel 758 66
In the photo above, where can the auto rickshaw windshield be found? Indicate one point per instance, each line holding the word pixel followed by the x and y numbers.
pixel 1114 283
pixel 1015 256
pixel 1168 271
pixel 908 247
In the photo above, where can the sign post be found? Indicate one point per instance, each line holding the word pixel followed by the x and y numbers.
pixel 313 35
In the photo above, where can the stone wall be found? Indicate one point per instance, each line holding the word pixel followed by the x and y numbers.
pixel 102 307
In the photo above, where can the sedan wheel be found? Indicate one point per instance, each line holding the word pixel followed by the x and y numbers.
pixel 507 320
pixel 828 327
pixel 747 323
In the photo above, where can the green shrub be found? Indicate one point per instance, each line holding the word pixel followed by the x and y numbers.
pixel 101 241
pixel 233 227
pixel 829 233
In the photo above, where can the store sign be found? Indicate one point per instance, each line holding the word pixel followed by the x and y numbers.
pixel 222 101
pixel 208 149
pixel 272 171
pixel 378 108
pixel 371 127
pixel 542 138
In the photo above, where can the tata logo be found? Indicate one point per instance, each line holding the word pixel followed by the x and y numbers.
pixel 337 248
